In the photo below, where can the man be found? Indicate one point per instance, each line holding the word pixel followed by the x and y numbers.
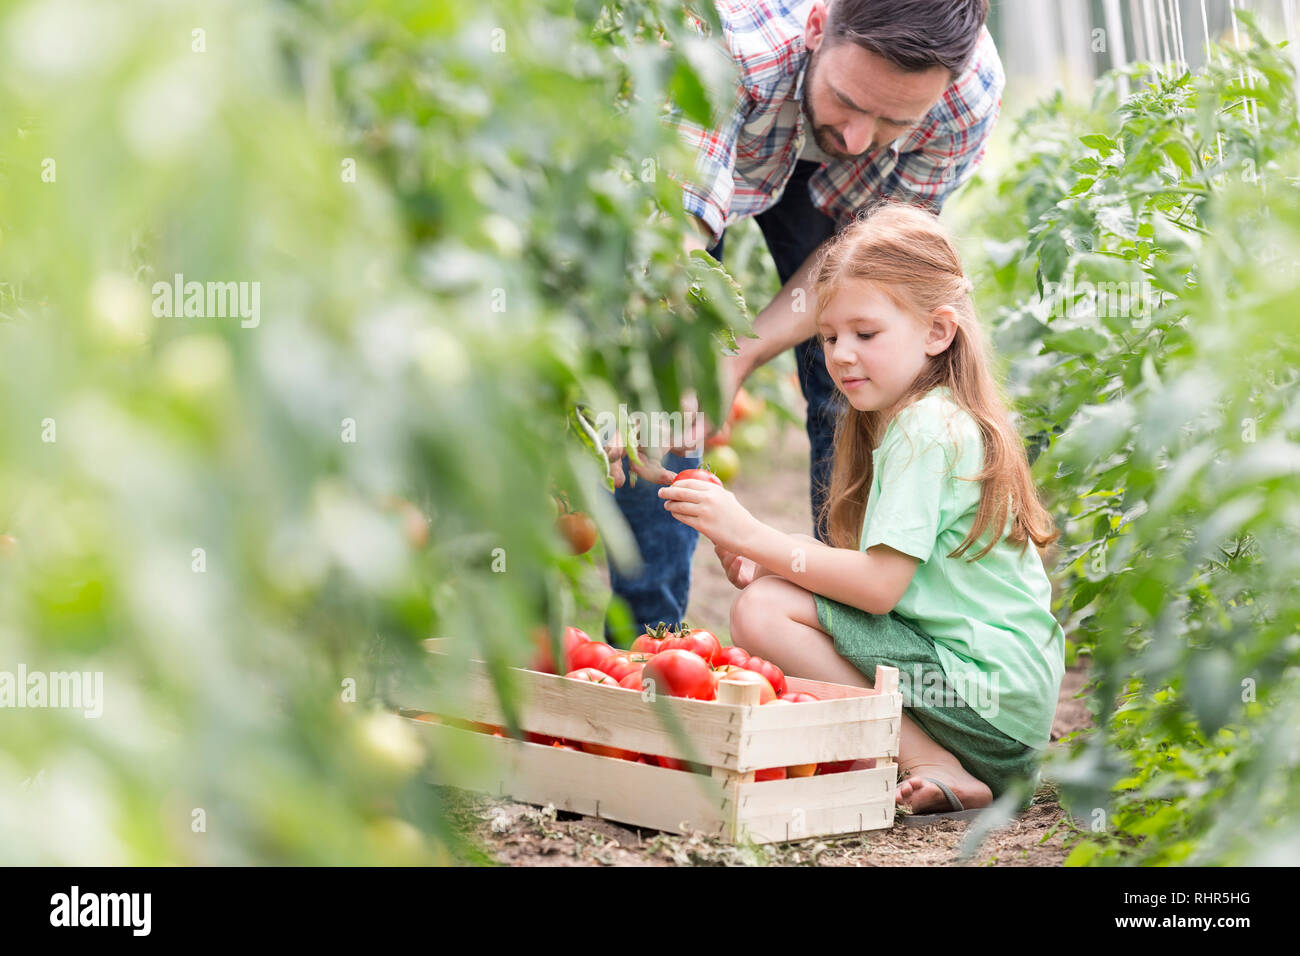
pixel 836 108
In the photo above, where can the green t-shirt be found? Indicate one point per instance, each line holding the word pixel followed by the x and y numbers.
pixel 991 620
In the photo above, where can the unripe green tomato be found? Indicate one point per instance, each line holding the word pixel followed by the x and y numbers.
pixel 724 462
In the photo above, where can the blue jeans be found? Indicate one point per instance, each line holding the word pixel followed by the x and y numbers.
pixel 792 229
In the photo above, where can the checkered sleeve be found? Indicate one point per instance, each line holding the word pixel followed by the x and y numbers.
pixel 709 192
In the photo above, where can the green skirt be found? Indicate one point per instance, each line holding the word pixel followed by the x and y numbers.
pixel 867 640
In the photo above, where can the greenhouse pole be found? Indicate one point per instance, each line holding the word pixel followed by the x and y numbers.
pixel 1115 37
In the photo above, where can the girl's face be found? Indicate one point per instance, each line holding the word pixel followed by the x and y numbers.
pixel 875 350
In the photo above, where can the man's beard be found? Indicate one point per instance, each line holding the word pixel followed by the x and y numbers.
pixel 828 141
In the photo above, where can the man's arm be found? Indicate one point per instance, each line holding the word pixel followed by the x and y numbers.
pixel 784 323
pixel 698 237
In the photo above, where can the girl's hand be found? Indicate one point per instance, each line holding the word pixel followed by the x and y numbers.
pixel 741 571
pixel 710 509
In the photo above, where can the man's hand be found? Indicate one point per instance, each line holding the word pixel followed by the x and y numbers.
pixel 697 425
pixel 649 469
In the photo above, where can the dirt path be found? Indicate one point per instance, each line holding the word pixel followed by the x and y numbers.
pixel 774 486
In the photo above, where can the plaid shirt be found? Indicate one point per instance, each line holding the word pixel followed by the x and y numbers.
pixel 743 164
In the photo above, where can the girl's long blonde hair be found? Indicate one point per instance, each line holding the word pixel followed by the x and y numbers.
pixel 909 256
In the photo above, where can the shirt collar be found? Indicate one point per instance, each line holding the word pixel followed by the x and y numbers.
pixel 805 56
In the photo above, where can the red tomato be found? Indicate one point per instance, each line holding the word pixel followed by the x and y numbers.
pixel 621 664
pixel 679 673
pixel 632 681
pixel 672 763
pixel 801 770
pixel 766 694
pixel 842 766
pixel 723 437
pixel 474 725
pixel 731 655
pixel 564 745
pixel 590 655
pixel 578 530
pixel 652 641
pixel 697 641
pixel 699 474
pixel 647 644
pixel 769 670
pixel 573 637
pixel 798 696
pixel 605 751
pixel 744 406
pixel 770 773
pixel 727 670
pixel 592 675
pixel 542 739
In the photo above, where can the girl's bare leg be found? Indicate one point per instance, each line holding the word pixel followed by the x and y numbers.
pixel 777 620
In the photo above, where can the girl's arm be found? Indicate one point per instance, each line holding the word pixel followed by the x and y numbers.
pixel 873 581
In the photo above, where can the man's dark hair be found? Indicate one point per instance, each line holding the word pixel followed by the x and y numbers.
pixel 914 35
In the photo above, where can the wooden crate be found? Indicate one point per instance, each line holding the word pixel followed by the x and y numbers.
pixel 734 736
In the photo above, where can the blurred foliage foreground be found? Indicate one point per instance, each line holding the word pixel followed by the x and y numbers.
pixel 297 303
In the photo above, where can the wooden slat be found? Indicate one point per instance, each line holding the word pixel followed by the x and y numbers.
pixel 825 691
pixel 780 747
pixel 886 680
pixel 812 713
pixel 839 691
pixel 631 793
pixel 816 792
pixel 821 806
pixel 559 707
pixel 828 822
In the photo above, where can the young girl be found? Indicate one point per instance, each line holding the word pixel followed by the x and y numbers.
pixel 930 514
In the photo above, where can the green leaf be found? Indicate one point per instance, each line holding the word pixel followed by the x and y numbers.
pixel 1076 341
pixel 1182 156
pixel 589 438
pixel 1052 256
pixel 1103 144
pixel 689 94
